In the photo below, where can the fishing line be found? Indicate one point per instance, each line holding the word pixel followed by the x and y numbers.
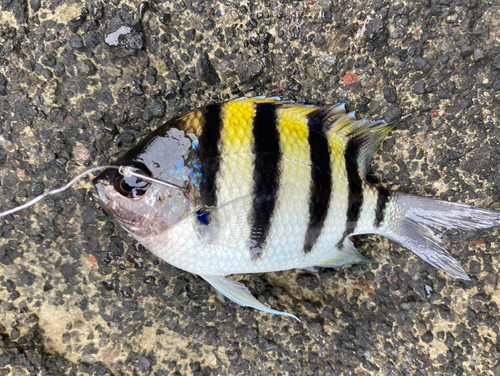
pixel 126 171
pixel 55 191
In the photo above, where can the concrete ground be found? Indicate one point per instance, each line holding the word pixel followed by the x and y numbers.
pixel 82 82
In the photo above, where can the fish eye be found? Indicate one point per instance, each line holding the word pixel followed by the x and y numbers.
pixel 132 186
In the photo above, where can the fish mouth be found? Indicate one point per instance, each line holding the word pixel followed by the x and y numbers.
pixel 93 194
pixel 98 193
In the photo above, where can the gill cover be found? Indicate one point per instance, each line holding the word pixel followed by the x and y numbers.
pixel 143 206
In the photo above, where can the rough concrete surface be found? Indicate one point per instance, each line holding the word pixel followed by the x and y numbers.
pixel 82 82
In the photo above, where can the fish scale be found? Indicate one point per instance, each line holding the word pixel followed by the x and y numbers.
pixel 271 185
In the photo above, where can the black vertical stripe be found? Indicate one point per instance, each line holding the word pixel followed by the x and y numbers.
pixel 355 190
pixel 266 175
pixel 382 200
pixel 208 154
pixel 352 149
pixel 355 197
pixel 321 182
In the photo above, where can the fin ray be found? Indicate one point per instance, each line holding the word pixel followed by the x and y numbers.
pixel 348 255
pixel 418 223
pixel 362 137
pixel 239 293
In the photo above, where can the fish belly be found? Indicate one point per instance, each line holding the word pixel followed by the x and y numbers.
pixel 226 249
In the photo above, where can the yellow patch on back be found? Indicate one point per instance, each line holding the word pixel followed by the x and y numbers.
pixel 294 135
pixel 294 132
pixel 237 126
pixel 193 121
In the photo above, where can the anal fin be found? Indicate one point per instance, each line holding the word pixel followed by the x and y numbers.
pixel 310 269
pixel 348 254
pixel 239 293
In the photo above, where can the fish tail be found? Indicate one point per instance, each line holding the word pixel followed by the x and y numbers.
pixel 418 223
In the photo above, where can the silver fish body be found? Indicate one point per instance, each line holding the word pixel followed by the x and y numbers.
pixel 267 186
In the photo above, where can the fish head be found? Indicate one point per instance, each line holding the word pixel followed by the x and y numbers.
pixel 146 208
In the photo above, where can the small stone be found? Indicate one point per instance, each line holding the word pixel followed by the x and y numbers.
pixel 68 270
pixel 427 337
pixel 392 113
pixel 376 32
pixel 421 64
pixel 207 71
pixel 308 281
pixel 59 69
pixel 86 68
pixel 11 286
pixel 377 4
pixel 81 154
pixel 127 138
pixel 3 85
pixel 390 94
pixel 144 364
pixel 48 61
pixel 92 38
pixel 158 108
pixel 28 278
pixel 90 25
pixel 325 63
pixel 76 42
pixel 450 340
pixel 14 334
pixel 5 360
pixel 478 54
pixel 419 87
pixel 233 355
pixel 466 50
pixel 32 319
pixel 35 5
pixel 208 24
pixel 147 116
pixel 362 106
pixel 466 103
pixel 319 40
pixel 190 34
pixel 164 18
pixel 292 85
pixel 37 189
pixel 388 144
pixel 195 366
pixel 496 62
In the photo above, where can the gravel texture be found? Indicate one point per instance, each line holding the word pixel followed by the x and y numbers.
pixel 81 82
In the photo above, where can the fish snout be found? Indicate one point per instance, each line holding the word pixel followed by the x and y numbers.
pixel 93 194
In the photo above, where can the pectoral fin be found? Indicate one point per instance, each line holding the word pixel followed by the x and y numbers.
pixel 239 293
pixel 347 255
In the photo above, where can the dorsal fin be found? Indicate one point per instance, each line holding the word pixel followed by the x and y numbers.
pixel 363 137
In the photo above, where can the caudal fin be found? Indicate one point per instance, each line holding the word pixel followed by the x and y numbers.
pixel 418 224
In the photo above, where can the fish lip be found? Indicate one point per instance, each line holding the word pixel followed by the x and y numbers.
pixel 98 193
pixel 93 194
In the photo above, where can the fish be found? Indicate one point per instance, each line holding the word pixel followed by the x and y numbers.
pixel 259 184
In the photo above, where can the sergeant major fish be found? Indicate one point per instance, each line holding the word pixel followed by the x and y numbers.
pixel 268 185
